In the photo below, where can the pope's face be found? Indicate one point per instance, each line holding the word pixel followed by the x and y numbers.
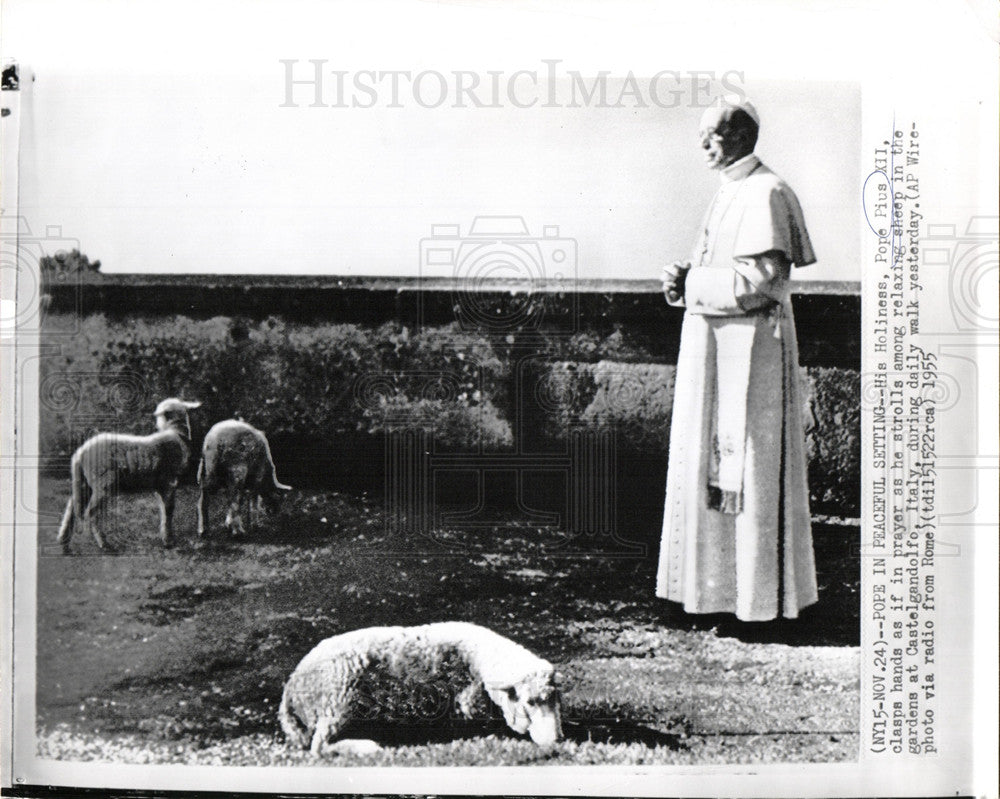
pixel 720 144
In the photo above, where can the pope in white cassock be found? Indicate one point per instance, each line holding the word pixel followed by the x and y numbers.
pixel 736 527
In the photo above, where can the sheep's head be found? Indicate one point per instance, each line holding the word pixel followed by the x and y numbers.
pixel 531 705
pixel 173 414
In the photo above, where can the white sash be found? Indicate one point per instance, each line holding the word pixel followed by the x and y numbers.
pixel 734 340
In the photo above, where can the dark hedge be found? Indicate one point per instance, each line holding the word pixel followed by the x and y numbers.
pixel 324 393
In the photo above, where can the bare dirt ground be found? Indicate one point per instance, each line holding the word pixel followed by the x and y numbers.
pixel 156 656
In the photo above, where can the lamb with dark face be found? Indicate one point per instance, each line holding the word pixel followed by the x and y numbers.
pixel 237 458
pixel 387 674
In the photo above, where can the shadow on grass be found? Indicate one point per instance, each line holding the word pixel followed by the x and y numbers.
pixel 421 734
pixel 622 732
pixel 403 734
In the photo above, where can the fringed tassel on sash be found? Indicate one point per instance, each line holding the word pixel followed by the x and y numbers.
pixel 734 339
pixel 730 502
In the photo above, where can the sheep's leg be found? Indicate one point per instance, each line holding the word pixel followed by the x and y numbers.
pixel 468 697
pixel 234 520
pixel 241 501
pixel 228 521
pixel 96 505
pixel 167 496
pixel 80 494
pixel 230 515
pixel 66 526
pixel 202 511
pixel 326 726
pixel 248 504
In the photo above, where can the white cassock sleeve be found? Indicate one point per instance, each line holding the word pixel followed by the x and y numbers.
pixel 752 283
pixel 775 223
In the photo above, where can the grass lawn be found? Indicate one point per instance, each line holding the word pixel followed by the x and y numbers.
pixel 179 656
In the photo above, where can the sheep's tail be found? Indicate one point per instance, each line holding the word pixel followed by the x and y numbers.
pixel 274 472
pixel 295 731
pixel 201 472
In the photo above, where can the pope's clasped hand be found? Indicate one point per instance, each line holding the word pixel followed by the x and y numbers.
pixel 673 280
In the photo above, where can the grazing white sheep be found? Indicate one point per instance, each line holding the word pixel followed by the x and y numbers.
pixel 390 674
pixel 110 463
pixel 236 456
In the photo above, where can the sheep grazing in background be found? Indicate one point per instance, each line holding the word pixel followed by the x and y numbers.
pixel 236 457
pixel 435 671
pixel 110 463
